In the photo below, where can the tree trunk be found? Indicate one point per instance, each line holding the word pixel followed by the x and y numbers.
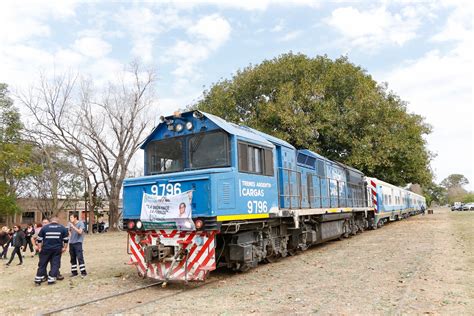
pixel 113 211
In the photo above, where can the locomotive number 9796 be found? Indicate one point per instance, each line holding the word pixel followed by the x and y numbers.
pixel 166 189
pixel 255 207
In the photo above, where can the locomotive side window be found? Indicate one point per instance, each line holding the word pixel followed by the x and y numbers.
pixel 254 159
pixel 165 156
pixel 209 150
pixel 268 162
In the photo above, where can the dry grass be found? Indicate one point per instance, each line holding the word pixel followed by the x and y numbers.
pixel 421 265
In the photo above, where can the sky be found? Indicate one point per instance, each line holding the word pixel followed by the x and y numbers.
pixel 423 50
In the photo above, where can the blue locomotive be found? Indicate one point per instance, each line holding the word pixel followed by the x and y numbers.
pixel 216 193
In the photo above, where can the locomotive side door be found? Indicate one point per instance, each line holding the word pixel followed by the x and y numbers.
pixel 289 179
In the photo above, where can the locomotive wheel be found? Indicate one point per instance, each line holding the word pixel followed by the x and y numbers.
pixel 292 252
pixel 272 258
pixel 242 267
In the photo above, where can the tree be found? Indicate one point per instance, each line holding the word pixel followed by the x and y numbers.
pixel 332 107
pixel 454 186
pixel 59 184
pixel 15 153
pixel 454 181
pixel 435 193
pixel 103 128
pixel 468 198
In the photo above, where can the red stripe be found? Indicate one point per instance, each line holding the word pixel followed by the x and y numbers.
pixel 138 260
pixel 209 256
pixel 204 263
pixel 198 256
pixel 181 263
pixel 158 269
pixel 373 183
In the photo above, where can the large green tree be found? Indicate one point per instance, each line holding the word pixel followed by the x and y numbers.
pixel 332 107
pixel 15 153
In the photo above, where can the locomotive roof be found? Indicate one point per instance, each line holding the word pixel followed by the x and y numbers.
pixel 231 128
pixel 244 131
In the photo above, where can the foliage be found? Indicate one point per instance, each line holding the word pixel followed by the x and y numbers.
pixel 455 194
pixel 15 153
pixel 468 198
pixel 329 106
pixel 454 187
pixel 454 181
pixel 8 204
pixel 435 193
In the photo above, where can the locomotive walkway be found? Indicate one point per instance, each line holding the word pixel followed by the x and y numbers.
pixel 421 265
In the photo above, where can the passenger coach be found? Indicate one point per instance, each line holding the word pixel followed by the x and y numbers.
pixel 244 197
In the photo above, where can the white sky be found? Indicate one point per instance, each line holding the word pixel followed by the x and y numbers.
pixel 422 49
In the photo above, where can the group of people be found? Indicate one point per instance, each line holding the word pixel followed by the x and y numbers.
pixel 19 239
pixel 49 240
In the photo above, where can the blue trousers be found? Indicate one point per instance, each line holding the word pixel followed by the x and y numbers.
pixel 46 256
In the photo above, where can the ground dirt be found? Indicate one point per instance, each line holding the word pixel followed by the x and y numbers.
pixel 423 265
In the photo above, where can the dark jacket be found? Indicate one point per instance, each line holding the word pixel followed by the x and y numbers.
pixel 4 238
pixel 53 236
pixel 19 239
pixel 29 234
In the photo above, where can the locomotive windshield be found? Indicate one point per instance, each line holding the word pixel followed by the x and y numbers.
pixel 208 150
pixel 165 156
pixel 204 150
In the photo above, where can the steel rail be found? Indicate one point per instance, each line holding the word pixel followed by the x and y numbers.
pixel 121 311
pixel 59 310
pixel 98 299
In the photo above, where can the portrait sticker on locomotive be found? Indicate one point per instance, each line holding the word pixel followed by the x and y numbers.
pixel 171 211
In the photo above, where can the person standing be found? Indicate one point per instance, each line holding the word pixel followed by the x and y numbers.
pixel 52 241
pixel 29 232
pixel 35 236
pixel 76 238
pixel 18 242
pixel 4 241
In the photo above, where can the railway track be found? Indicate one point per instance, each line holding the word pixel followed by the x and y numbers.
pixel 124 293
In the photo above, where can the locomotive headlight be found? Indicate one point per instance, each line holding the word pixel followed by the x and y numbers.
pixel 198 223
pixel 139 224
pixel 178 127
pixel 197 114
pixel 189 126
